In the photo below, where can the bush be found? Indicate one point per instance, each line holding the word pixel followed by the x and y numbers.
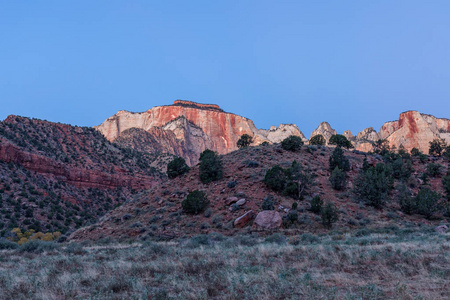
pixel 317 140
pixel 340 140
pixel 338 159
pixel 434 170
pixel 276 178
pixel 406 201
pixel 210 166
pixel 415 152
pixel 329 215
pixel 374 185
pixel 276 238
pixel 338 179
pixel 268 203
pixel 5 244
pixel 244 141
pixel 177 167
pixel 292 215
pixel 446 185
pixel 38 246
pixel 231 184
pixel 292 143
pixel 427 202
pixel 381 147
pixel 195 202
pixel 401 169
pixel 437 146
pixel 316 204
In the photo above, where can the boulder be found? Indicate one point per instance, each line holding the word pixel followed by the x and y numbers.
pixel 268 219
pixel 241 202
pixel 441 228
pixel 243 220
pixel 231 200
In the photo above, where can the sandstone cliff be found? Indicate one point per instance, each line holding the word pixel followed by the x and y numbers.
pixel 411 130
pixel 195 126
pixel 325 130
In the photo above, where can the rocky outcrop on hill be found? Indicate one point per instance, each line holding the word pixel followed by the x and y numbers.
pixel 325 130
pixel 411 130
pixel 195 126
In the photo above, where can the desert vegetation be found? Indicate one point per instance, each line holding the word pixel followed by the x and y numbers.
pixel 383 263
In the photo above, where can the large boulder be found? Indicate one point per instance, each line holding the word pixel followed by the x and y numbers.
pixel 268 219
pixel 243 220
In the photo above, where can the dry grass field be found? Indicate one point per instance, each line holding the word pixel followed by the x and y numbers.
pixel 386 263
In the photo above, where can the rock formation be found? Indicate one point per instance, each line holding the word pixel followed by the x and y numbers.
pixel 195 126
pixel 325 130
pixel 411 130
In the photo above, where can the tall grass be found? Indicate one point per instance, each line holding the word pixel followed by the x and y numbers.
pixel 371 265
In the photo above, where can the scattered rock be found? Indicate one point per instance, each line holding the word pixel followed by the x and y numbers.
pixel 243 220
pixel 441 228
pixel 268 219
pixel 231 200
pixel 241 202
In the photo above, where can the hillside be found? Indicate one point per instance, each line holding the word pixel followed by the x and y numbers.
pixel 60 177
pixel 158 213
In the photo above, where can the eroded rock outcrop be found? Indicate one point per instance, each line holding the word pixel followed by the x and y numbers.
pixel 411 130
pixel 196 127
pixel 325 130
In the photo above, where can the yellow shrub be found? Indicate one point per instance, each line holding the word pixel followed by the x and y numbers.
pixel 48 237
pixel 37 236
pixel 22 241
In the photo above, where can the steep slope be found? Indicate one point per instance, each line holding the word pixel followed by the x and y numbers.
pixel 47 168
pixel 158 213
pixel 196 127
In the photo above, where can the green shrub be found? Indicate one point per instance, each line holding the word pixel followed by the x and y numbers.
pixel 338 159
pixel 340 141
pixel 38 246
pixel 292 143
pixel 276 238
pixel 268 203
pixel 177 167
pixel 329 215
pixel 381 147
pixel 446 185
pixel 195 202
pixel 338 179
pixel 5 244
pixel 434 170
pixel 317 140
pixel 316 204
pixel 210 166
pixel 427 202
pixel 437 146
pixel 406 201
pixel 374 185
pixel 244 141
pixel 415 152
pixel 292 215
pixel 276 178
pixel 401 169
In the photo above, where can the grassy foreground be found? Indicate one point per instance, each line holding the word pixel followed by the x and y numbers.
pixel 390 263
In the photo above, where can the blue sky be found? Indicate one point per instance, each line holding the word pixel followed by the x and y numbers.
pixel 354 64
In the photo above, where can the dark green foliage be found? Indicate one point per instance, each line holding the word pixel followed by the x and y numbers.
pixel 292 143
pixel 5 244
pixel 38 246
pixel 195 202
pixel 317 140
pixel 404 198
pixel 427 202
pixel 338 159
pixel 446 186
pixel 292 215
pixel 381 147
pixel 276 178
pixel 316 204
pixel 340 140
pixel 447 152
pixel 177 167
pixel 268 203
pixel 231 184
pixel 415 152
pixel 293 182
pixel 210 166
pixel 329 215
pixel 244 141
pixel 338 179
pixel 437 146
pixel 434 170
pixel 401 168
pixel 373 186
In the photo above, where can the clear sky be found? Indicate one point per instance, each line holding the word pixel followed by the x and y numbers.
pixel 354 64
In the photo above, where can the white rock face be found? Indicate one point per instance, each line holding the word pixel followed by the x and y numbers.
pixel 325 130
